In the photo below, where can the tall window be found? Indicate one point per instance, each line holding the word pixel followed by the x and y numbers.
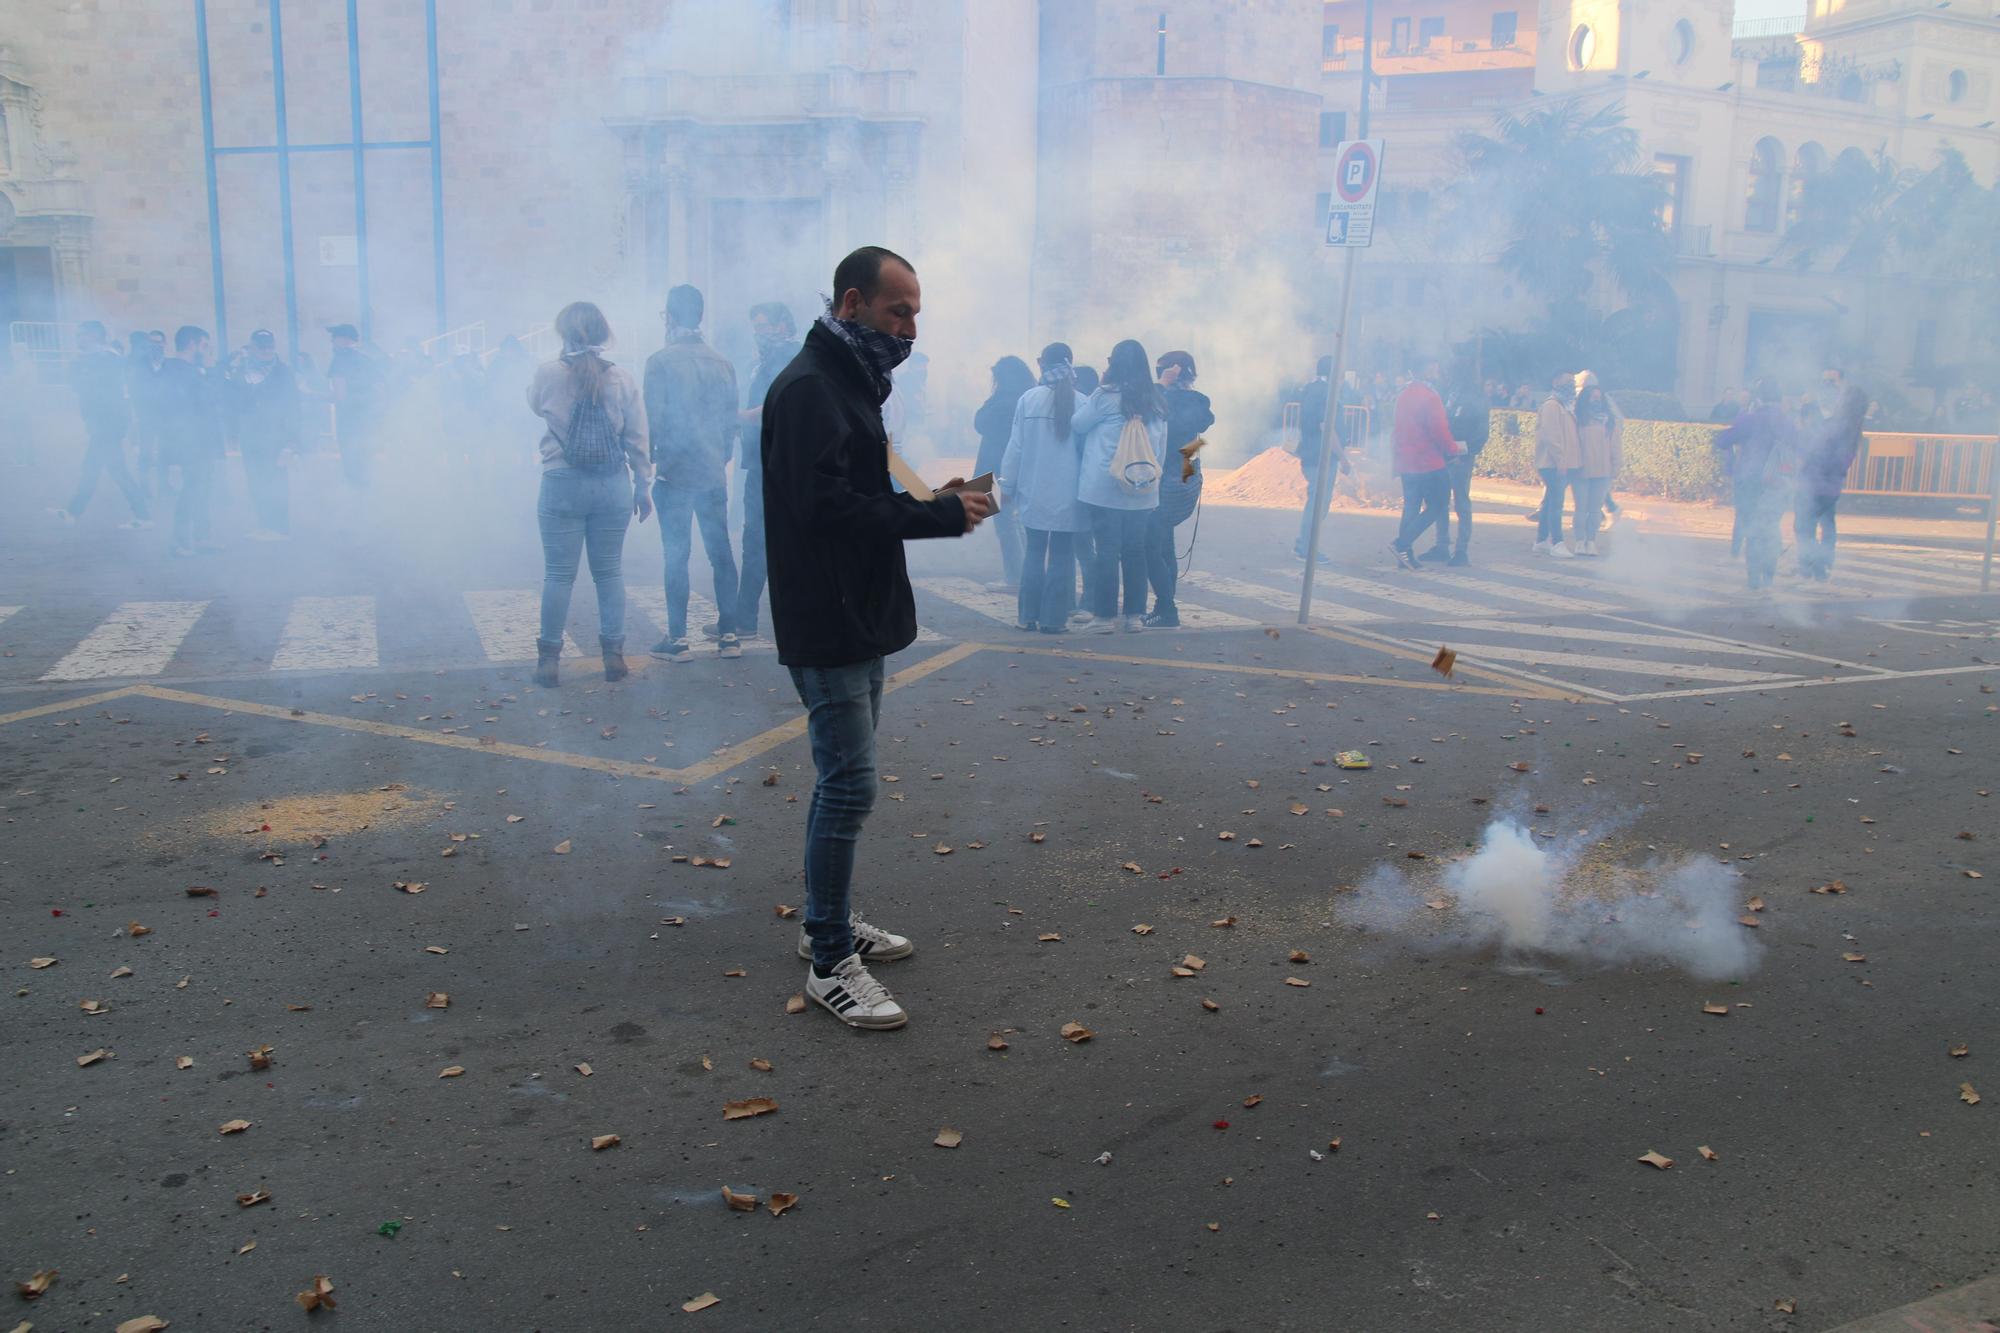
pixel 1329 43
pixel 1505 24
pixel 1810 162
pixel 1675 172
pixel 1428 31
pixel 1399 36
pixel 1767 173
pixel 1332 128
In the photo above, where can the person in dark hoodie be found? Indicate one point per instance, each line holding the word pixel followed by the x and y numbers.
pixel 840 594
pixel 1757 447
pixel 264 405
pixel 190 421
pixel 1467 414
pixel 994 423
pixel 1822 478
pixel 1188 415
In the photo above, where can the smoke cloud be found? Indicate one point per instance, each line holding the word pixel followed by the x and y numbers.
pixel 1524 897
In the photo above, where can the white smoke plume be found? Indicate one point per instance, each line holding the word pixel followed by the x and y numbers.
pixel 1522 898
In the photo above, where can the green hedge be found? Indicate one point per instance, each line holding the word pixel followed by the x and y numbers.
pixel 1674 459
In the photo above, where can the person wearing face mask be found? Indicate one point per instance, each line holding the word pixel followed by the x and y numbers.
pixel 1558 458
pixel 841 600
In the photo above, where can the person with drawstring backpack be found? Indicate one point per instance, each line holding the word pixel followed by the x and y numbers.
pixel 1123 433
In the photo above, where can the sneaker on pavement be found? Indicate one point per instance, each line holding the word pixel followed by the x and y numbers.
pixel 870 942
pixel 1080 617
pixel 854 997
pixel 673 650
pixel 1459 561
pixel 729 646
pixel 712 630
pixel 1133 624
pixel 1561 552
pixel 1541 546
pixel 1101 625
pixel 1403 558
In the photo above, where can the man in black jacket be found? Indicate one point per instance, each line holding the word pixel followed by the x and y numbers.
pixel 264 403
pixel 1471 422
pixel 99 374
pixel 840 593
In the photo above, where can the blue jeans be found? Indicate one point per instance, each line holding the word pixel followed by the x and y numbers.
pixel 843 704
pixel 1813 524
pixel 1458 470
pixel 1048 580
pixel 1121 560
pixel 1163 567
pixel 1424 496
pixel 1314 500
pixel 1555 483
pixel 1590 493
pixel 578 510
pixel 708 506
pixel 1008 529
pixel 1760 508
pixel 750 589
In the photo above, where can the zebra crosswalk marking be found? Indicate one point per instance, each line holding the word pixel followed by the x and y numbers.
pixel 138 639
pixel 6 611
pixel 508 622
pixel 1279 600
pixel 1607 584
pixel 1557 657
pixel 1562 632
pixel 1400 593
pixel 327 634
pixel 1554 601
pixel 1897 573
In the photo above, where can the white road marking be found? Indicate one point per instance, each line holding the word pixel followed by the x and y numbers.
pixel 6 611
pixel 1403 593
pixel 1685 642
pixel 1004 608
pixel 1608 583
pixel 1556 657
pixel 138 639
pixel 1811 684
pixel 508 621
pixel 1898 573
pixel 327 634
pixel 1332 612
pixel 1554 601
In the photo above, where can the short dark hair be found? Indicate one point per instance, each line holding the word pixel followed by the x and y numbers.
pixel 774 312
pixel 1185 360
pixel 862 272
pixel 1767 390
pixel 187 335
pixel 685 306
pixel 1324 367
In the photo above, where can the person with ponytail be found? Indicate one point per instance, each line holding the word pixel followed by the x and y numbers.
pixel 595 469
pixel 1123 429
pixel 1038 480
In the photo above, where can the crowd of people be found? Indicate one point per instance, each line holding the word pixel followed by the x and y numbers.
pixel 160 414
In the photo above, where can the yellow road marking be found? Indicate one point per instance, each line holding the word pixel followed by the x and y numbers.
pixel 1286 673
pixel 742 753
pixel 1525 688
pixel 63 706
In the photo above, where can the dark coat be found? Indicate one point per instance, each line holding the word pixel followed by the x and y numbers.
pixel 834 526
pixel 1188 415
pixel 190 412
pixel 266 412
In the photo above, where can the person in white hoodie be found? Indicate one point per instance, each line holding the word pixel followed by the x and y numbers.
pixel 1038 484
pixel 1120 503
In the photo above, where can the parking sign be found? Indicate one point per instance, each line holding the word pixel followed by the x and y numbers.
pixel 1357 171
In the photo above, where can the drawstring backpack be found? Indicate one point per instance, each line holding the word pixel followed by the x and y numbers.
pixel 591 443
pixel 1133 466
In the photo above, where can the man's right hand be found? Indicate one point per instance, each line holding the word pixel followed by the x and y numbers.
pixel 978 508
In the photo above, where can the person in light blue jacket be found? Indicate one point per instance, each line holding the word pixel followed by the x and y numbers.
pixel 1038 480
pixel 1120 507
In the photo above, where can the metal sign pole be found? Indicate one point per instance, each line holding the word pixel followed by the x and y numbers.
pixel 1329 437
pixel 1992 515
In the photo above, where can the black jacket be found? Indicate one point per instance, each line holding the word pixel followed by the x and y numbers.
pixel 834 527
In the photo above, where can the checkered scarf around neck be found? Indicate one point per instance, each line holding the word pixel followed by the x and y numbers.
pixel 879 353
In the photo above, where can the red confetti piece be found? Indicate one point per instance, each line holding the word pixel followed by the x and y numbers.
pixel 1222 1124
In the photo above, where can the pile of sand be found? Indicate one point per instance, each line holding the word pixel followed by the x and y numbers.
pixel 1271 480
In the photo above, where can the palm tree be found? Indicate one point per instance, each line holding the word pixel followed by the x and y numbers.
pixel 1566 190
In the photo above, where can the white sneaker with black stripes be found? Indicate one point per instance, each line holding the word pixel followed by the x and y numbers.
pixel 872 943
pixel 854 997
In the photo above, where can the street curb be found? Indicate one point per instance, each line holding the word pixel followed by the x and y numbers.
pixel 1971 1309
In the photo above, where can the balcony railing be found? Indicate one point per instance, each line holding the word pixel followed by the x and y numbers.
pixel 1777 27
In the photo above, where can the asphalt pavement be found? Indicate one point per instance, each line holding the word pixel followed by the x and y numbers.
pixel 481 925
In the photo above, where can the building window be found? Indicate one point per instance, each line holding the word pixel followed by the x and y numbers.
pixel 1810 162
pixel 1332 128
pixel 1767 174
pixel 1428 31
pixel 1681 45
pixel 1505 24
pixel 1674 171
pixel 1582 46
pixel 1399 36
pixel 1329 43
pixel 1954 87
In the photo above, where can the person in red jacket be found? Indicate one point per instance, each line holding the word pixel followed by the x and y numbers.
pixel 1422 436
